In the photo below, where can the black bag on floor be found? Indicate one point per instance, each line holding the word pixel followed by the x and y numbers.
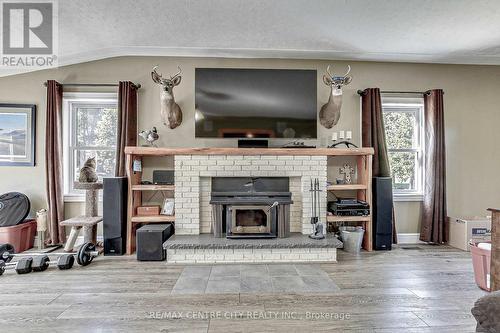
pixel 14 207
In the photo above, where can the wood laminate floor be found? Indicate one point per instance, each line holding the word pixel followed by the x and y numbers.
pixel 412 289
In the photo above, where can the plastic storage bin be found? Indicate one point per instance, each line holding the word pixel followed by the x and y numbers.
pixel 481 260
pixel 463 230
pixel 21 236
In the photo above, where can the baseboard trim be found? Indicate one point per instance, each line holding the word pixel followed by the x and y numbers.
pixel 409 238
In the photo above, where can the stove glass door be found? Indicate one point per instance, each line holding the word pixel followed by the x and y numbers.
pixel 250 219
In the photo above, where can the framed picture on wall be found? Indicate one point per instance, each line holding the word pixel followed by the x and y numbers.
pixel 17 134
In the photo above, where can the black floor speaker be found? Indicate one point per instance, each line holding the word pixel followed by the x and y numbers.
pixel 114 206
pixel 382 208
pixel 150 239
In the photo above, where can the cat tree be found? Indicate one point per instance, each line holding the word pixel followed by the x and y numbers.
pixel 89 221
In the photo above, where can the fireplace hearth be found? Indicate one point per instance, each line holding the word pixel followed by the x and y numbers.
pixel 245 207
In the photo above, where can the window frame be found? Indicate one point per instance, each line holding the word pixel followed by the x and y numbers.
pixel 412 104
pixel 70 145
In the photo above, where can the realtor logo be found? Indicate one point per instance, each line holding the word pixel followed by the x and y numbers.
pixel 28 33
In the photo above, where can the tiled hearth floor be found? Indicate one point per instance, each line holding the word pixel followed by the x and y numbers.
pixel 254 278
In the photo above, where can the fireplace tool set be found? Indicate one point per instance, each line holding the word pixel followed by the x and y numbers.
pixel 318 232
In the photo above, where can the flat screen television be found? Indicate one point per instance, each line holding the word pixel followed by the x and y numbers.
pixel 255 103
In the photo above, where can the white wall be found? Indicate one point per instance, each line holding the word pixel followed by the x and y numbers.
pixel 471 107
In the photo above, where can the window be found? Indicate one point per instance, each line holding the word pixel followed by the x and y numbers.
pixel 90 125
pixel 403 121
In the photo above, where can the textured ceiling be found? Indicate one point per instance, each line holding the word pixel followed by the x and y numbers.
pixel 441 31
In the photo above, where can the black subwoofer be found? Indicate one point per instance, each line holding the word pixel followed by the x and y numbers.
pixel 382 213
pixel 150 239
pixel 114 206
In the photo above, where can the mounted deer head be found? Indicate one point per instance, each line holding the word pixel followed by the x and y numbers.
pixel 329 114
pixel 171 113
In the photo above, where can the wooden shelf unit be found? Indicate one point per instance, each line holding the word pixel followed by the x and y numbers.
pixel 363 188
pixel 135 191
pixel 337 218
pixel 153 219
pixel 346 187
pixel 153 188
pixel 135 188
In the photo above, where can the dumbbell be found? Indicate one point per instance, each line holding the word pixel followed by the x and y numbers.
pixel 84 256
pixel 23 266
pixel 41 263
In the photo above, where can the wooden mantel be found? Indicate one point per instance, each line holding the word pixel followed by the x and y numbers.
pixel 152 151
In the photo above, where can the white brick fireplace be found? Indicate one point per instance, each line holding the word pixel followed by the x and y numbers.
pixel 193 185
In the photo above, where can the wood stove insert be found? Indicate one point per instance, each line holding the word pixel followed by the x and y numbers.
pixel 251 207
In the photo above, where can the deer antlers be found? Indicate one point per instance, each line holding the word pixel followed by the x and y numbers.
pixel 332 76
pixel 176 74
pixel 158 78
pixel 330 79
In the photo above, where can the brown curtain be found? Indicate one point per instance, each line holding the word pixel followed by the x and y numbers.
pixel 434 227
pixel 53 162
pixel 373 135
pixel 127 123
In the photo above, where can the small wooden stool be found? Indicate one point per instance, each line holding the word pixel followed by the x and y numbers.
pixel 77 223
